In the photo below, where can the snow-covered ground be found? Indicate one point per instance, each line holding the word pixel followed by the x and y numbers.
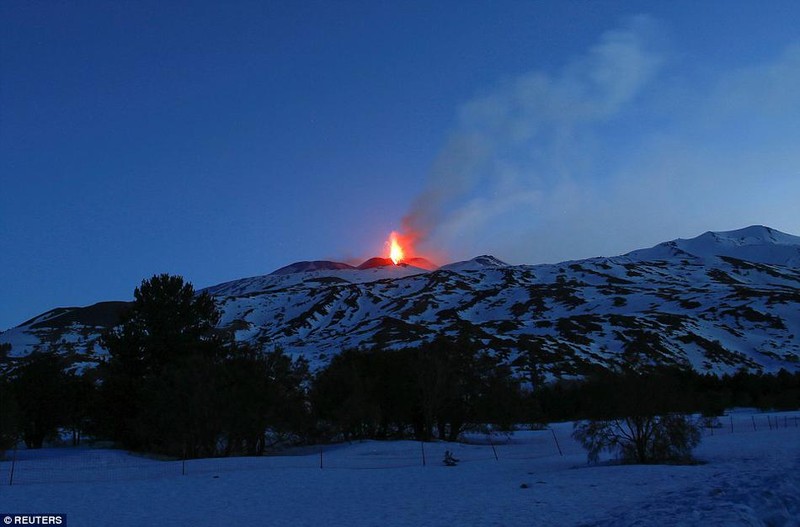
pixel 750 477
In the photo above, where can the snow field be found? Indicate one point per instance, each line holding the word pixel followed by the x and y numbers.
pixel 749 478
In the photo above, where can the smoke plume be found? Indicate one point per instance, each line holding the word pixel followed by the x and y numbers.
pixel 608 153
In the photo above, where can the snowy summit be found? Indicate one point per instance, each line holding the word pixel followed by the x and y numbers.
pixel 719 302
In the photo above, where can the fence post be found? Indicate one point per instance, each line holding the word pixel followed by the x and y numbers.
pixel 422 447
pixel 754 423
pixel 183 462
pixel 493 449
pixel 769 422
pixel 560 453
pixel 320 457
pixel 13 465
pixel 731 424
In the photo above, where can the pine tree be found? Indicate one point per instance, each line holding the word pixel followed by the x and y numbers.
pixel 159 384
pixel 39 389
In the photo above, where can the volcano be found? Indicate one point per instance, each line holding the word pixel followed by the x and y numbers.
pixel 417 261
pixel 375 262
pixel 327 265
pixel 422 263
pixel 316 265
pixel 717 303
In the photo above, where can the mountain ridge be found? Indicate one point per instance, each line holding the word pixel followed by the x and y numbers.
pixel 749 241
pixel 717 302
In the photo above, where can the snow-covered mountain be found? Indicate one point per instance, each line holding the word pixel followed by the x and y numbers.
pixel 755 244
pixel 718 302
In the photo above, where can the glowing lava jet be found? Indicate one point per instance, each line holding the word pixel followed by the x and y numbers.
pixel 401 252
pixel 396 252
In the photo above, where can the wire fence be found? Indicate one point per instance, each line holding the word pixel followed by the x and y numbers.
pixel 72 465
pixel 733 423
pixel 69 465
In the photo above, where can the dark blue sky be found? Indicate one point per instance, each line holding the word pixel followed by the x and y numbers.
pixel 219 140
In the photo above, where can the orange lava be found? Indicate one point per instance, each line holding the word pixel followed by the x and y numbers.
pixel 396 252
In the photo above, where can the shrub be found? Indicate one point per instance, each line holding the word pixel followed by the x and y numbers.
pixel 648 439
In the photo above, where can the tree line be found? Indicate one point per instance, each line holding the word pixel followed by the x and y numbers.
pixel 610 393
pixel 175 384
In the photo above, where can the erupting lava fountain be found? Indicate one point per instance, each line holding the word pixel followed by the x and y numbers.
pixel 401 252
pixel 396 253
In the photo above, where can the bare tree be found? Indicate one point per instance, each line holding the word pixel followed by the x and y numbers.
pixel 640 439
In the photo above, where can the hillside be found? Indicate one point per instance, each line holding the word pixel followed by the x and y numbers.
pixel 718 302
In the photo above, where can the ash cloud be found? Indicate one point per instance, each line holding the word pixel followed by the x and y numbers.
pixel 614 151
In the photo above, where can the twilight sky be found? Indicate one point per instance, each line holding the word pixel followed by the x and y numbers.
pixel 220 140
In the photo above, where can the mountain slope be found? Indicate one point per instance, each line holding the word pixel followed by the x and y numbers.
pixel 755 244
pixel 718 302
